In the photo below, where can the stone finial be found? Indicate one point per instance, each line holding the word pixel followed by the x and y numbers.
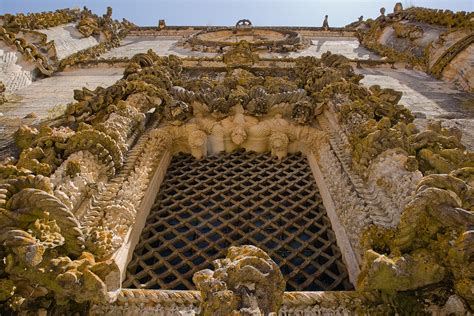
pixel 398 7
pixel 161 24
pixel 326 23
pixel 244 23
pixel 108 13
pixel 246 282
pixel 382 11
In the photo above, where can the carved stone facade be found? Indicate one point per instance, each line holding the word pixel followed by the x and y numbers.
pixel 75 195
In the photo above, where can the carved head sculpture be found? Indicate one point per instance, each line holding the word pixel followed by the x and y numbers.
pixel 257 107
pixel 279 144
pixel 197 143
pixel 382 11
pixel 398 7
pixel 246 282
pixel 238 135
pixel 302 112
pixel 177 112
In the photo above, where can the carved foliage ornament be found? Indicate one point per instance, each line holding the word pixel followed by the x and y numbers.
pixel 246 282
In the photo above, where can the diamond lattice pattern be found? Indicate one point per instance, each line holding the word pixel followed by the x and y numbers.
pixel 205 206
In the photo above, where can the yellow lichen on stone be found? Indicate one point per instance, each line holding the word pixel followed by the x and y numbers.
pixel 246 282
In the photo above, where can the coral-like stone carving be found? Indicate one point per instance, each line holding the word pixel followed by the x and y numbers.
pixel 63 233
pixel 88 25
pixel 240 55
pixel 223 40
pixel 28 50
pixel 433 241
pixel 246 282
pixel 39 238
pixel 3 98
pixel 42 20
pixel 15 26
pixel 411 32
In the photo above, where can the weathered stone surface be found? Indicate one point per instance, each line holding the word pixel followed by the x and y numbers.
pixel 14 73
pixel 47 98
pixel 460 70
pixel 427 98
pixel 43 95
pixel 67 40
pixel 74 193
pixel 246 282
pixel 161 45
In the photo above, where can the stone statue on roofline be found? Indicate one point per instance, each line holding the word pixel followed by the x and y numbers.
pixel 326 23
pixel 398 8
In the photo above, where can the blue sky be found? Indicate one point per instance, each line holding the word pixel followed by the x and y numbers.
pixel 227 12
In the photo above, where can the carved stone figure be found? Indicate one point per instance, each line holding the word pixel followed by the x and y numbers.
pixel 246 282
pixel 326 23
pixel 161 24
pixel 178 112
pixel 398 8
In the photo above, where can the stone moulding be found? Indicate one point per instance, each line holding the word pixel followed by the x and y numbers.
pixel 442 61
pixel 42 20
pixel 152 302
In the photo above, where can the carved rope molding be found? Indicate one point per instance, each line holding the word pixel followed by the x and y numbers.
pixel 29 51
pixel 450 54
pixel 139 302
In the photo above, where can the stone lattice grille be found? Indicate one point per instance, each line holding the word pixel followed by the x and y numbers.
pixel 205 206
